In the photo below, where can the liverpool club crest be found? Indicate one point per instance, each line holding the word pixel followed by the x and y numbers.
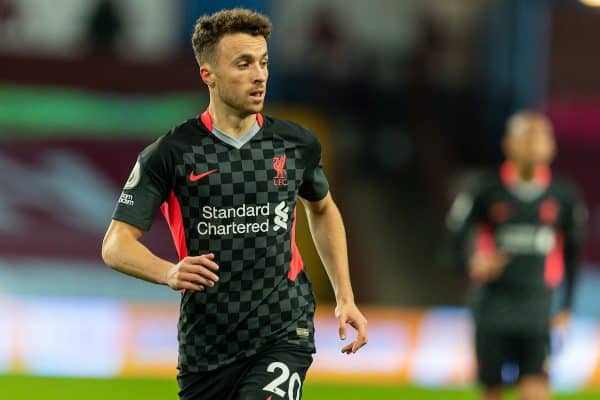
pixel 279 167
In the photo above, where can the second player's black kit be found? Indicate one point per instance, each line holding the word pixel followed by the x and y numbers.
pixel 539 225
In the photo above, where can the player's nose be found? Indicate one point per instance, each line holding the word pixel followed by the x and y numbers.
pixel 260 74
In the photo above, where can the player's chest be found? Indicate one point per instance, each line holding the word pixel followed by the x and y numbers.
pixel 525 226
pixel 263 170
pixel 503 208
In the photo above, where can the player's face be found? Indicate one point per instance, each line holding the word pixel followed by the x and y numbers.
pixel 531 142
pixel 241 72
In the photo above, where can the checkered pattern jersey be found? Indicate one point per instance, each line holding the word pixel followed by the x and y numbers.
pixel 541 233
pixel 238 203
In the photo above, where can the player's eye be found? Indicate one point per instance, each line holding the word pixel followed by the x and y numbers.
pixel 265 63
pixel 243 65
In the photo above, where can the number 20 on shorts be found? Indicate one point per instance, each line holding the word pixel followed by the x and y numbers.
pixel 294 382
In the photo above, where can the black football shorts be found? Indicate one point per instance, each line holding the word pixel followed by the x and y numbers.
pixel 275 373
pixel 503 358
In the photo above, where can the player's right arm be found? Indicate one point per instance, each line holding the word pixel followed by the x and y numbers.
pixel 149 185
pixel 466 213
pixel 122 251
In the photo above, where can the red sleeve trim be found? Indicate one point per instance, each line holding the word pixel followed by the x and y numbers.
pixel 485 243
pixel 171 209
pixel 296 264
pixel 555 263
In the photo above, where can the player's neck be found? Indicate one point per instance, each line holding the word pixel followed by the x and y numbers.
pixel 526 172
pixel 229 121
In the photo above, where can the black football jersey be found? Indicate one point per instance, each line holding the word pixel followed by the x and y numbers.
pixel 236 199
pixel 539 225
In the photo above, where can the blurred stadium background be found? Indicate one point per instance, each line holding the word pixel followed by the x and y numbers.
pixel 409 98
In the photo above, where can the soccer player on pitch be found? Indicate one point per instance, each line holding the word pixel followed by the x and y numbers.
pixel 529 227
pixel 227 183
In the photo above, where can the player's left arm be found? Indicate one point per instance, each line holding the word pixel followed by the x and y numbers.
pixel 327 229
pixel 575 218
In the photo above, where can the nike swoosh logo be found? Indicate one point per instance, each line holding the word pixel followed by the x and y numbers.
pixel 194 177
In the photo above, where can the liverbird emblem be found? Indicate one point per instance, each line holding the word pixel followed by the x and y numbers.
pixel 279 167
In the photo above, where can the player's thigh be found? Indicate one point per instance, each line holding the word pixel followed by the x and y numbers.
pixel 492 350
pixel 274 375
pixel 533 354
pixel 220 384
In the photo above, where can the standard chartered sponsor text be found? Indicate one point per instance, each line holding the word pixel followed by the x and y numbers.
pixel 226 221
pixel 526 239
pixel 207 228
pixel 209 212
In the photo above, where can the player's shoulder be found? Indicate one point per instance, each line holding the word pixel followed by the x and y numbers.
pixel 566 187
pixel 169 140
pixel 181 132
pixel 563 181
pixel 290 130
pixel 486 181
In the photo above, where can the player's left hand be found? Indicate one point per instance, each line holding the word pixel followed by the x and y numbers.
pixel 348 313
pixel 561 320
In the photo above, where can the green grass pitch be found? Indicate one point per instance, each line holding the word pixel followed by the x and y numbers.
pixel 25 388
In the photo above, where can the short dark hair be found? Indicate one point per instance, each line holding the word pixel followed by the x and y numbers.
pixel 210 29
pixel 528 116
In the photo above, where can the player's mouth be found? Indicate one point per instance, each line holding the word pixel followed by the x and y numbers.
pixel 257 95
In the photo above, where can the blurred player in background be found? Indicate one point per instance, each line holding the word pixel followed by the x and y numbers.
pixel 528 227
pixel 227 182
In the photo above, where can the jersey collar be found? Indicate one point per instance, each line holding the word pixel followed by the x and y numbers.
pixel 207 120
pixel 542 176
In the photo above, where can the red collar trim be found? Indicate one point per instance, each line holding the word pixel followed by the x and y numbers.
pixel 207 121
pixel 510 174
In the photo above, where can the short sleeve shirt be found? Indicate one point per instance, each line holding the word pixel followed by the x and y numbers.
pixel 238 201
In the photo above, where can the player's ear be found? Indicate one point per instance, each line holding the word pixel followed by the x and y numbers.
pixel 207 75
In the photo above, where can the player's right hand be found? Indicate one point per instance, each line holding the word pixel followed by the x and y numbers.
pixel 487 267
pixel 193 273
